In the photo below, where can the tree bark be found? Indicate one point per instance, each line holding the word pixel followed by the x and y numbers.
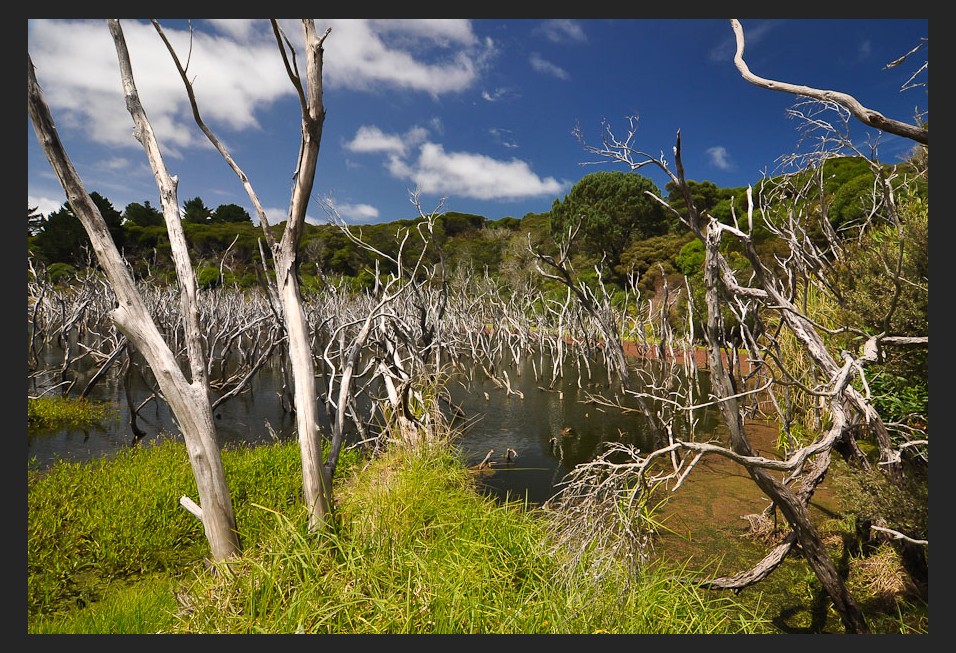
pixel 316 477
pixel 189 401
pixel 863 114
pixel 793 509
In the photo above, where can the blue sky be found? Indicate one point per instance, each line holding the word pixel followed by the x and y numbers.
pixel 479 112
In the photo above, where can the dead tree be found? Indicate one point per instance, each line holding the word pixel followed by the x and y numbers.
pixel 864 114
pixel 187 397
pixel 405 338
pixel 316 477
pixel 559 268
pixel 770 290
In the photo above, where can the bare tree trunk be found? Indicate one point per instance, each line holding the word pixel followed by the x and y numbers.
pixel 865 115
pixel 316 477
pixel 790 505
pixel 189 401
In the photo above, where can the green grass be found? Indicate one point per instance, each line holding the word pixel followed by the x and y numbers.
pixel 413 548
pixel 51 413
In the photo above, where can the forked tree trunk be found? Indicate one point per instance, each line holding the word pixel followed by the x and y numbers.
pixel 316 476
pixel 188 400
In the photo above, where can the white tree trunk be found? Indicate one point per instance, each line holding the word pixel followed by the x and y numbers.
pixel 189 401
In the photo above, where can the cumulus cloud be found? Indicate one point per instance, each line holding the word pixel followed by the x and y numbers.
pixel 435 56
pixel 461 174
pixel 235 70
pixel 77 67
pixel 371 139
pixel 45 205
pixel 464 174
pixel 357 213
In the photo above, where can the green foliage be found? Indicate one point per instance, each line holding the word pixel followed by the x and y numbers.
pixel 456 224
pixel 509 223
pixel 48 413
pixel 112 217
pixel 900 399
pixel 613 209
pixel 195 211
pixel 119 518
pixel 92 523
pixel 61 272
pixel 871 298
pixel 869 496
pixel 144 215
pixel 208 276
pixel 230 213
pixel 212 241
pixel 646 258
pixel 417 550
pixel 851 202
pixel 62 239
pixel 146 606
pixel 414 548
pixel 690 260
pixel 34 220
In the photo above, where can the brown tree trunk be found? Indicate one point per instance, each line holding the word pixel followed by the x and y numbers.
pixel 792 508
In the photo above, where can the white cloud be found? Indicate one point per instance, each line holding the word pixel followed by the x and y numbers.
pixel 369 54
pixel 539 64
pixel 720 158
pixel 371 139
pixel 236 71
pixel 563 30
pixel 503 137
pixel 495 95
pixel 45 205
pixel 77 68
pixel 357 213
pixel 238 28
pixel 463 174
pixel 279 214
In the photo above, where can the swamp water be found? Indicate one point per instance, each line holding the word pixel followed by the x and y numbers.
pixel 550 427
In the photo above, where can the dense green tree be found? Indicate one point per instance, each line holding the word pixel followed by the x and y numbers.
pixel 61 238
pixel 706 195
pixel 456 224
pixel 195 211
pixel 113 218
pixel 510 223
pixel 230 213
pixel 650 258
pixel 143 214
pixel 613 209
pixel 34 220
pixel 721 203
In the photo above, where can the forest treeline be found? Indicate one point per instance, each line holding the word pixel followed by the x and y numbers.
pixel 620 233
pixel 613 232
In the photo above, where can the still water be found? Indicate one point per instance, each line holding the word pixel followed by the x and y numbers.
pixel 551 427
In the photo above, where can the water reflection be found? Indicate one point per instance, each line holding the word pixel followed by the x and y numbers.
pixel 549 424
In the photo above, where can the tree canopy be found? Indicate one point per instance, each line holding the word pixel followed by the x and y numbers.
pixel 612 209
